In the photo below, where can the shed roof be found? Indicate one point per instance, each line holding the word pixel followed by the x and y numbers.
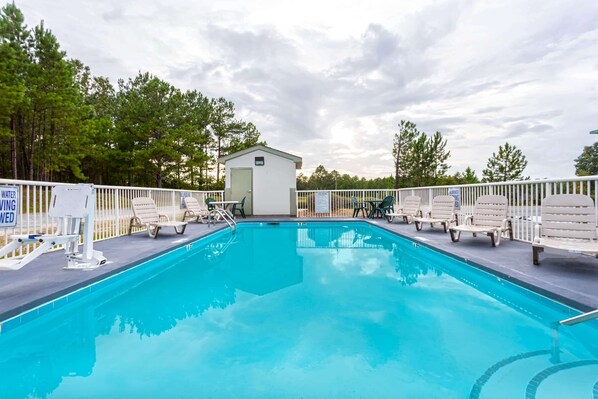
pixel 298 160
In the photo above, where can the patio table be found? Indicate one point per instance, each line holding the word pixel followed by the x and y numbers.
pixel 225 205
pixel 374 203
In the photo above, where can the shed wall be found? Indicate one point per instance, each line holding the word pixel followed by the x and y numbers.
pixel 271 182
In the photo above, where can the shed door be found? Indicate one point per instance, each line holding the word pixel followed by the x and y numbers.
pixel 241 185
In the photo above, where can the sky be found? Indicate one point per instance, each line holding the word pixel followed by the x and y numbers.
pixel 330 80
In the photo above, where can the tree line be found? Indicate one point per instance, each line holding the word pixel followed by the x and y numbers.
pixel 421 160
pixel 58 122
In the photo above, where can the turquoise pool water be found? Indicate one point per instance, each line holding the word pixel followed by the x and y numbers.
pixel 316 310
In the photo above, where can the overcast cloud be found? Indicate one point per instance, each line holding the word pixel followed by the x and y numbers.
pixel 330 80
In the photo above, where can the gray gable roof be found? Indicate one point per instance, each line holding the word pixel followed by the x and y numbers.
pixel 298 160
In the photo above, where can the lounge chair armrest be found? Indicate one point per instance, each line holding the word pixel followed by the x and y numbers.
pixel 164 216
pixel 136 222
pixel 537 231
pixel 428 214
pixel 505 224
pixel 468 220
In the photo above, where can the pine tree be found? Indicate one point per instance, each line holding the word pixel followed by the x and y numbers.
pixel 587 163
pixel 402 143
pixel 507 165
pixel 469 176
pixel 14 64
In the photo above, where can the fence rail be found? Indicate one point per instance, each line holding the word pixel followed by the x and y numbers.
pixel 525 199
pixel 113 208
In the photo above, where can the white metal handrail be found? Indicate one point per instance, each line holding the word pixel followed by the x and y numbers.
pixel 221 214
pixel 580 318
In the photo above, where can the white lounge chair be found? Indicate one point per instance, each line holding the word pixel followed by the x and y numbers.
pixel 409 210
pixel 146 215
pixel 568 224
pixel 195 210
pixel 442 213
pixel 69 206
pixel 489 217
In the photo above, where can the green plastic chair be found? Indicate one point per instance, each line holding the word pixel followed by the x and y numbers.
pixel 358 206
pixel 240 207
pixel 386 206
pixel 209 203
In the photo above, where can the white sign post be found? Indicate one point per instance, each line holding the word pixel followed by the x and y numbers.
pixel 9 206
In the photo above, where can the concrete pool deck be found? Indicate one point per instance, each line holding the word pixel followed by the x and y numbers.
pixel 571 280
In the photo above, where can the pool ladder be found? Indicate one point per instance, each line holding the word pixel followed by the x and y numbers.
pixel 580 318
pixel 221 214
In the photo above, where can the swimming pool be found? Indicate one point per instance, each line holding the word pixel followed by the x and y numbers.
pixel 308 310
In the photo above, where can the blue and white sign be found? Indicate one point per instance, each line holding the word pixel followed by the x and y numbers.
pixel 9 206
pixel 456 193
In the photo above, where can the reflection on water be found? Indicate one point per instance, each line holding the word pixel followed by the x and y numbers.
pixel 278 311
pixel 33 363
pixel 408 264
pixel 264 260
pixel 35 358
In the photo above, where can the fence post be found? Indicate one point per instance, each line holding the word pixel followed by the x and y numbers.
pixel 173 206
pixel 117 212
pixel 329 203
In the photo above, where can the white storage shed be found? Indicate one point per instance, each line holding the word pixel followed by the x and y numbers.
pixel 265 177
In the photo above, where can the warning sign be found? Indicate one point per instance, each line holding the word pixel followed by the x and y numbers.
pixel 9 206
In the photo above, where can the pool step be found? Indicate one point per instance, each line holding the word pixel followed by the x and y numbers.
pixel 576 379
pixel 509 377
pixel 534 375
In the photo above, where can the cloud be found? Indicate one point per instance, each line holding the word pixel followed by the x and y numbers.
pixel 330 80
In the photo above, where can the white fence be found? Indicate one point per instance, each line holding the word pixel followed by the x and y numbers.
pixel 525 199
pixel 113 207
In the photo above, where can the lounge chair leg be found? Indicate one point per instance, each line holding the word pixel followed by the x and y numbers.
pixel 177 229
pixel 445 226
pixel 389 219
pixel 455 235
pixel 536 254
pixel 509 222
pixel 494 238
pixel 418 226
pixel 153 232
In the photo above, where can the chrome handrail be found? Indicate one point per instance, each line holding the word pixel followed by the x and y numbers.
pixel 580 318
pixel 219 213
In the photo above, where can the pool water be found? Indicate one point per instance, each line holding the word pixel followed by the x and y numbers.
pixel 301 310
